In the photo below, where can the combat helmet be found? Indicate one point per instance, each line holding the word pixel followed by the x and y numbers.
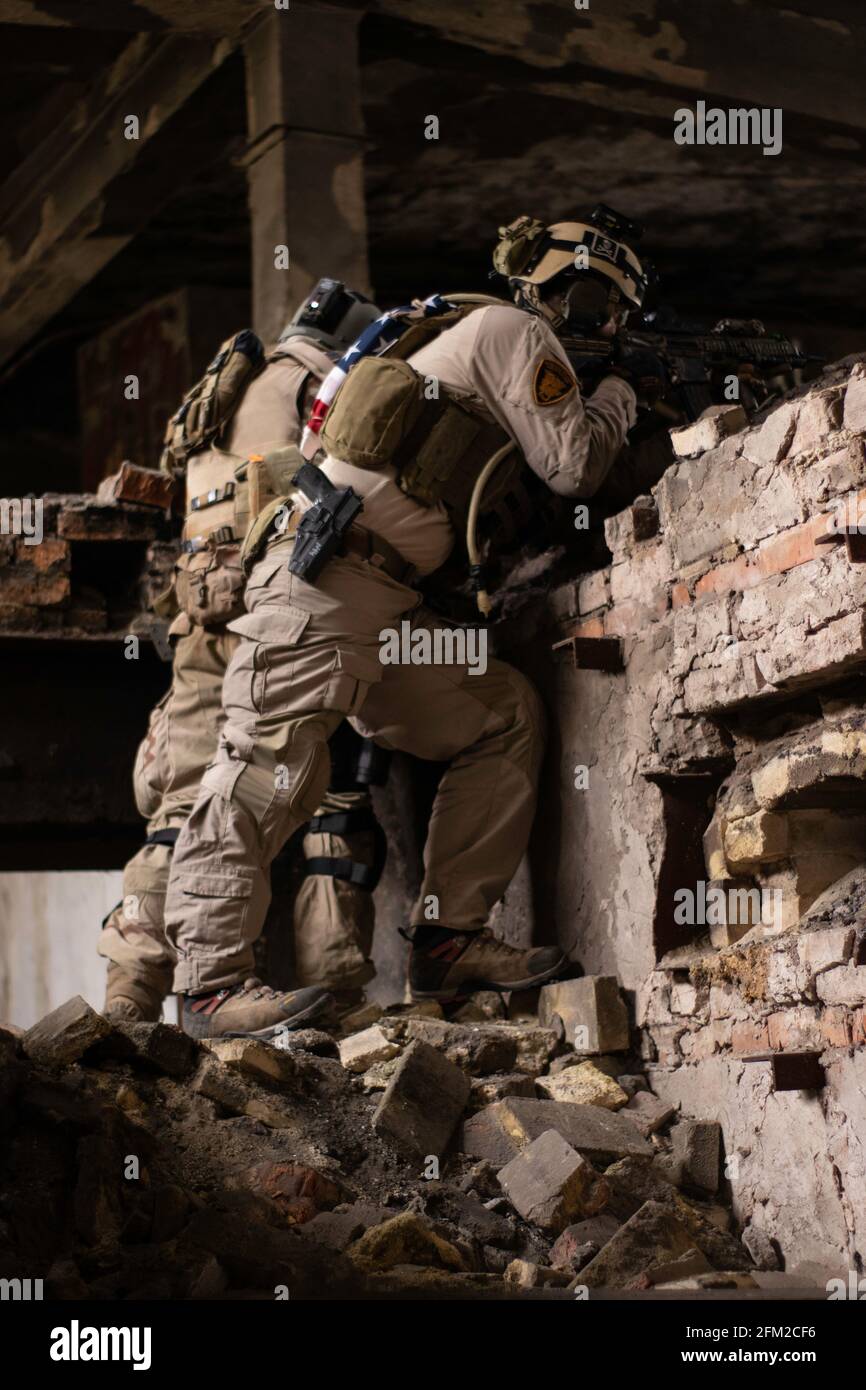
pixel 332 315
pixel 575 273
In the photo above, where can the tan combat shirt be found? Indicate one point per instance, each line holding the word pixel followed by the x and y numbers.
pixel 511 364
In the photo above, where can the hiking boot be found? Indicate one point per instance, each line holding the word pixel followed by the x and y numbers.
pixel 130 998
pixel 252 1010
pixel 444 964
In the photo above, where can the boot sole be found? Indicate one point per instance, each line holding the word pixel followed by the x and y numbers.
pixel 467 987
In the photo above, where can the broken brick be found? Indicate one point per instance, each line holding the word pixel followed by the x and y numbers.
pixel 592 1011
pixel 299 1192
pixel 583 1084
pixel 569 1249
pixel 697 1148
pixel 551 1185
pixel 359 1051
pixel 649 1112
pixel 500 1131
pixel 162 1046
pixel 653 1236
pixel 422 1102
pixel 404 1240
pixel 65 1034
pixel 143 487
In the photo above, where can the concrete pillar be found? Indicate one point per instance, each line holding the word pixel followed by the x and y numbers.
pixel 305 161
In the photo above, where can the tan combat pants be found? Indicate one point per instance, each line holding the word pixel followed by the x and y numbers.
pixel 309 656
pixel 333 920
pixel 182 736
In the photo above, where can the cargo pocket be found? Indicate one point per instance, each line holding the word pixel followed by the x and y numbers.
pixel 211 885
pixel 264 574
pixel 265 672
pixel 351 676
pixel 215 909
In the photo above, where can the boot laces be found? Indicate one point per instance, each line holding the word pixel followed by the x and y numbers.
pixel 258 990
pixel 498 947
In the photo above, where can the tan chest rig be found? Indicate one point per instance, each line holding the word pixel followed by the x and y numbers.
pixel 224 492
pixel 439 446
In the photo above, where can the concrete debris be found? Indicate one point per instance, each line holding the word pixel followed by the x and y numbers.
pixel 253 1058
pixel 360 1051
pixel 260 1164
pixel 422 1102
pixel 376 1077
pixel 526 1275
pixel 66 1034
pixel 761 1248
pixel 404 1240
pixel 592 1011
pixel 688 1266
pixel 648 1112
pixel 697 1148
pixel 339 1228
pixel 479 1049
pixel 583 1085
pixel 653 1236
pixel 501 1131
pixel 551 1185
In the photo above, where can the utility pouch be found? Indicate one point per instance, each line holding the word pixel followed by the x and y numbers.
pixel 210 586
pixel 210 403
pixel 319 536
pixel 377 407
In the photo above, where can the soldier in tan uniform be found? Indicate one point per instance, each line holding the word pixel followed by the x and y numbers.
pixel 410 439
pixel 253 405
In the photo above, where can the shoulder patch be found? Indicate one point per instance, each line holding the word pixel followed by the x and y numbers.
pixel 552 382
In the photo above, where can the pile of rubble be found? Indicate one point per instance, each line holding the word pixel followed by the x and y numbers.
pixel 512 1151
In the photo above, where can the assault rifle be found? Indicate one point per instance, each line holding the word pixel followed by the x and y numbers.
pixel 696 359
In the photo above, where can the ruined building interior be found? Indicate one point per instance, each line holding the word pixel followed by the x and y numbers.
pixel 700 648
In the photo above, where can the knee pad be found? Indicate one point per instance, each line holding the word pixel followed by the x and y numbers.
pixel 343 823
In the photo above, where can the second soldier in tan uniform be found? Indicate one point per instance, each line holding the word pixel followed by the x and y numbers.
pixel 245 406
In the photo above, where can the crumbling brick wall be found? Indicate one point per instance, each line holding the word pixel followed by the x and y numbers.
pixel 729 753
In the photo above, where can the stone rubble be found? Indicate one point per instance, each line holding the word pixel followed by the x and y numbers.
pixel 138 1163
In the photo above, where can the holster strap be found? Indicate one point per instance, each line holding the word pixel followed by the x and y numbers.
pixel 373 548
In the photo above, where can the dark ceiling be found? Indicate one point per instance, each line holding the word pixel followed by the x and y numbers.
pixel 531 120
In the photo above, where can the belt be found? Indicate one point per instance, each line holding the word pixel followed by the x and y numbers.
pixel 373 548
pixel 367 545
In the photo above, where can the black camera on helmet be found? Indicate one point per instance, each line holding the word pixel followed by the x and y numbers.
pixel 614 224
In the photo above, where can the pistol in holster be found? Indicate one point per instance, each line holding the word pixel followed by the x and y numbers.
pixel 322 527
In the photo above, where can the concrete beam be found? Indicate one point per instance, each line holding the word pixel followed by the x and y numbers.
pixel 133 16
pixel 305 161
pixel 753 51
pixel 63 215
